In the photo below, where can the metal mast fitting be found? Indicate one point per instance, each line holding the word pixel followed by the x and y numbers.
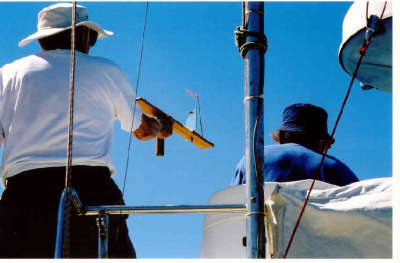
pixel 252 45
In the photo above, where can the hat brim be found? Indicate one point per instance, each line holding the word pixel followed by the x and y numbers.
pixel 52 31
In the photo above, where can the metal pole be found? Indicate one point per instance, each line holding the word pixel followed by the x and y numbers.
pixel 166 209
pixel 254 120
pixel 102 225
pixel 60 226
pixel 68 195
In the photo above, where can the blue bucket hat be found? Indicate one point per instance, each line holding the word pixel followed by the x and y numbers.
pixel 306 118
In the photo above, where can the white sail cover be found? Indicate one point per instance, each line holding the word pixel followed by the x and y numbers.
pixel 376 68
pixel 354 221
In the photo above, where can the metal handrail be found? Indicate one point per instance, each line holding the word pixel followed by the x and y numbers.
pixel 166 209
pixel 104 211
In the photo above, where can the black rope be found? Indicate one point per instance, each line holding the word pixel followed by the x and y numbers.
pixel 136 92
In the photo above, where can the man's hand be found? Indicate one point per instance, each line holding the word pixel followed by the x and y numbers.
pixel 150 127
pixel 166 126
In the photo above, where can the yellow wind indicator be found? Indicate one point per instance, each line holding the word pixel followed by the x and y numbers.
pixel 177 127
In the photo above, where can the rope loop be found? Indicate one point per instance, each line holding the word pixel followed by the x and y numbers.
pixel 240 40
pixel 261 97
pixel 254 213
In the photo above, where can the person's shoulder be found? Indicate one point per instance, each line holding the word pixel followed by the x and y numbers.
pixel 19 64
pixel 290 152
pixel 102 63
pixel 333 162
pixel 298 149
pixel 337 172
pixel 18 61
pixel 288 148
pixel 277 152
pixel 99 60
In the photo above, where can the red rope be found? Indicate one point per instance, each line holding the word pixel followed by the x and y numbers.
pixel 383 10
pixel 366 12
pixel 322 159
pixel 363 49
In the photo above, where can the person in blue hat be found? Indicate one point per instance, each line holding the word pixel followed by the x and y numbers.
pixel 302 139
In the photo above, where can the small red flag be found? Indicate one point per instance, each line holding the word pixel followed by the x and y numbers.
pixel 191 94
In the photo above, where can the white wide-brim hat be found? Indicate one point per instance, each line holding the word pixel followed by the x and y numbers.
pixel 57 18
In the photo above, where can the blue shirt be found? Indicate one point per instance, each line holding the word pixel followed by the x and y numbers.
pixel 292 162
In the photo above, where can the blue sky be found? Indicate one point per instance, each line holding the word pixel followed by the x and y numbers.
pixel 190 46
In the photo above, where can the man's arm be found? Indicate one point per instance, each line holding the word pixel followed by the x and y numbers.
pixel 240 173
pixel 160 126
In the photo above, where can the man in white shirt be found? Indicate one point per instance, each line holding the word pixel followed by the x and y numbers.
pixel 34 101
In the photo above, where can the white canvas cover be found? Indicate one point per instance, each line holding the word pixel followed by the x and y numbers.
pixel 354 221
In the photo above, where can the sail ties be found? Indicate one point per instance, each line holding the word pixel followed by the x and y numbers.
pixel 372 24
pixel 241 33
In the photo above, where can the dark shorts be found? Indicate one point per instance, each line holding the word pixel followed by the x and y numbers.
pixel 28 214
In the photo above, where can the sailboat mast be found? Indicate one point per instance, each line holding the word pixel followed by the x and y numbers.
pixel 255 44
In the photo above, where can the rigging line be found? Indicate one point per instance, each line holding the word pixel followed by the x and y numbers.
pixel 136 92
pixel 363 49
pixel 366 12
pixel 383 10
pixel 259 215
pixel 68 182
pixel 68 174
pixel 380 17
pixel 323 158
pixel 244 14
pixel 201 124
